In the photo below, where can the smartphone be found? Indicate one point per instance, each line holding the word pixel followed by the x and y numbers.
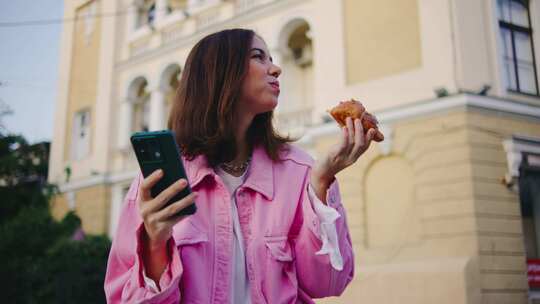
pixel 158 150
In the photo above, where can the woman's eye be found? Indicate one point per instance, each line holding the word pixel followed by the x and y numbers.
pixel 258 56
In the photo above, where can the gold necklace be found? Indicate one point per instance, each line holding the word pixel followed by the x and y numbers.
pixel 229 167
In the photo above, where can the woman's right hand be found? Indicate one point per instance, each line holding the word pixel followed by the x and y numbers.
pixel 159 220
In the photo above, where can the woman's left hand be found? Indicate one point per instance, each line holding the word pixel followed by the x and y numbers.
pixel 352 145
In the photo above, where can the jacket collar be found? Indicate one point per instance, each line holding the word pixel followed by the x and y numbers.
pixel 260 176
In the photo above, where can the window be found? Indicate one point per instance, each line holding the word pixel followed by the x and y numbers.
pixel 519 66
pixel 529 194
pixel 171 91
pixel 141 110
pixel 146 11
pixel 81 135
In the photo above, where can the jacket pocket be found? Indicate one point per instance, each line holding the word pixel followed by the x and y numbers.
pixel 188 233
pixel 280 284
pixel 194 249
pixel 280 249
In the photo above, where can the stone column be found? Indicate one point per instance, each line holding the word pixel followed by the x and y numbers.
pixel 161 11
pixel 116 207
pixel 157 109
pixel 131 23
pixel 125 122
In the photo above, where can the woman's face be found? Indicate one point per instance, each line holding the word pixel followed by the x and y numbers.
pixel 260 89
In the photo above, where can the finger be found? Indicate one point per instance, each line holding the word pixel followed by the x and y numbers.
pixel 174 219
pixel 358 137
pixel 166 195
pixel 372 118
pixel 148 183
pixel 344 139
pixel 369 137
pixel 167 213
pixel 350 130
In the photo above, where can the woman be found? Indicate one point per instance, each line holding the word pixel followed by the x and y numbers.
pixel 269 226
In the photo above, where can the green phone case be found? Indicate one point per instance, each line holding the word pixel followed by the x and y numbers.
pixel 158 150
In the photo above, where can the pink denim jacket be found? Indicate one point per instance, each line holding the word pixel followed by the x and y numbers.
pixel 281 236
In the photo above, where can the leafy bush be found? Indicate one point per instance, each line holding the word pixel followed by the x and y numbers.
pixel 41 260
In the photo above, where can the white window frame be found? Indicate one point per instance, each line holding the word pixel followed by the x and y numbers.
pixel 533 25
pixel 81 136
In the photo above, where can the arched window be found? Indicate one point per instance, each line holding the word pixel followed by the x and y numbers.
pixel 171 91
pixel 300 46
pixel 169 81
pixel 141 109
pixel 295 49
pixel 519 65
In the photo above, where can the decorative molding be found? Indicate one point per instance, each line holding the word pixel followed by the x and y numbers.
pixel 463 100
pixel 434 106
pixel 97 180
pixel 386 145
pixel 141 32
pixel 387 119
pixel 514 147
pixel 266 8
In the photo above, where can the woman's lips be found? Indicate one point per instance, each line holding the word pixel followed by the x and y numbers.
pixel 275 86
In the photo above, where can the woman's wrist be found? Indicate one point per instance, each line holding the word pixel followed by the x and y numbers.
pixel 320 183
pixel 150 243
pixel 155 257
pixel 321 177
pixel 154 249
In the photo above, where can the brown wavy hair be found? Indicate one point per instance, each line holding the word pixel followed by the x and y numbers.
pixel 202 115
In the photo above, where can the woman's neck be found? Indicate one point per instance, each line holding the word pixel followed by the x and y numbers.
pixel 243 150
pixel 238 166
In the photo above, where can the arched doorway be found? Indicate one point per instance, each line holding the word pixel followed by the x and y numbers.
pixel 295 47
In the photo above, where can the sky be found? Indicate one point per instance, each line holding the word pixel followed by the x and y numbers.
pixel 29 66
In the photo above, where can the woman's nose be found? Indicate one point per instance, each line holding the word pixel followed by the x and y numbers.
pixel 275 70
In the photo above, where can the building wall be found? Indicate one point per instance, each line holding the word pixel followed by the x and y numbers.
pixel 85 83
pixel 478 46
pixel 382 38
pixel 431 221
pixel 409 245
pixel 91 204
pixel 84 72
pixel 421 67
pixel 500 231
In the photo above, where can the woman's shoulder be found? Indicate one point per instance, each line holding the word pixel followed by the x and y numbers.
pixel 296 155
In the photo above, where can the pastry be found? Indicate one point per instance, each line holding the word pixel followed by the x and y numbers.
pixel 354 109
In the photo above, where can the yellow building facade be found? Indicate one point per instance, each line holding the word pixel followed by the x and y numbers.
pixel 442 211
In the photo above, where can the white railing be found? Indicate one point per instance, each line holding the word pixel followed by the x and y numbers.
pixel 172 33
pixel 294 122
pixel 244 5
pixel 207 18
pixel 139 47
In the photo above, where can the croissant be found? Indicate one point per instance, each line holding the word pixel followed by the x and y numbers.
pixel 354 109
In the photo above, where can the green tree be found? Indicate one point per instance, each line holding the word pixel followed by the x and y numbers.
pixel 41 261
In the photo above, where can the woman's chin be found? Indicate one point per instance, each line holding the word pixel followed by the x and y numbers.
pixel 269 108
pixel 273 105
